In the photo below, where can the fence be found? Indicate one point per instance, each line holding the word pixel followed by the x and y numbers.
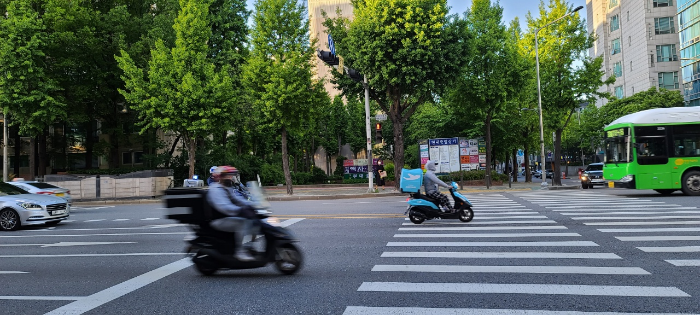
pixel 149 183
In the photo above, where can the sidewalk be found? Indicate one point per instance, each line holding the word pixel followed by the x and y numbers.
pixel 329 192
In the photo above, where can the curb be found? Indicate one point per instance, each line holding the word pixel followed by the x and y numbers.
pixel 564 187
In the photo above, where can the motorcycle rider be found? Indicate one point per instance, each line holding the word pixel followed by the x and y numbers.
pixel 238 211
pixel 431 183
pixel 212 179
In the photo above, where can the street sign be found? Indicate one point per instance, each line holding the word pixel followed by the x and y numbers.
pixel 331 44
pixel 380 117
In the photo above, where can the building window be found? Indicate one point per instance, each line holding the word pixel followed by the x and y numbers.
pixel 616 48
pixel 126 158
pixel 659 3
pixel 664 25
pixel 613 3
pixel 614 23
pixel 617 69
pixel 619 92
pixel 668 80
pixel 666 53
pixel 138 157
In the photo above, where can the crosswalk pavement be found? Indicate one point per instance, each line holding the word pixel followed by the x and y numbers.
pixel 511 252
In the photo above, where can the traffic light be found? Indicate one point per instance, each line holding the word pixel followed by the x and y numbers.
pixel 355 75
pixel 378 132
pixel 328 57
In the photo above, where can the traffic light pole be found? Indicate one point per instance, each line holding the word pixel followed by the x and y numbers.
pixel 370 173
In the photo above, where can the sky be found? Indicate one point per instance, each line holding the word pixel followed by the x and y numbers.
pixel 511 8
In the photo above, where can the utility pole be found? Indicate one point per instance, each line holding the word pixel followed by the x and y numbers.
pixel 5 122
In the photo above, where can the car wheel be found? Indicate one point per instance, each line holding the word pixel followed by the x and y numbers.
pixel 9 220
pixel 691 183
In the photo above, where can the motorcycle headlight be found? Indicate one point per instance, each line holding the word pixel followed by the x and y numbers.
pixel 29 206
pixel 627 178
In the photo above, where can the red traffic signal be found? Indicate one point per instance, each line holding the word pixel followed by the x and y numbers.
pixel 378 126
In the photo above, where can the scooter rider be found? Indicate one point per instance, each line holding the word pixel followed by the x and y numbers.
pixel 212 179
pixel 239 212
pixel 431 183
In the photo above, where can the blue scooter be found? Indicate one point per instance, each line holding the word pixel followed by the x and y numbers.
pixel 422 207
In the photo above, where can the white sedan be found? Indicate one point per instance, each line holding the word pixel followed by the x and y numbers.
pixel 43 189
pixel 18 208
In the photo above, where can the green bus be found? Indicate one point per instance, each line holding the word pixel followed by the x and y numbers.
pixel 655 149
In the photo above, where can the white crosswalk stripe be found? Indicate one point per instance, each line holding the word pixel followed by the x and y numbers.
pixel 529 247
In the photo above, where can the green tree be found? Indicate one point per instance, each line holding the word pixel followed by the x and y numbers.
pixel 493 74
pixel 409 51
pixel 182 91
pixel 279 72
pixel 564 85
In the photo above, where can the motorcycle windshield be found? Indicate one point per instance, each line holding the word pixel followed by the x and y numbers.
pixel 257 196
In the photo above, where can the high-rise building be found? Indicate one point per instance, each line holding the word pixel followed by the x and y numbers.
pixel 318 31
pixel 639 43
pixel 688 19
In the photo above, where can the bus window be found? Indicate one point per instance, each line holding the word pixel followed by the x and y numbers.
pixel 616 150
pixel 651 150
pixel 686 140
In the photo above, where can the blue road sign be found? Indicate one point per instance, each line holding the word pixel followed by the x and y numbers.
pixel 331 44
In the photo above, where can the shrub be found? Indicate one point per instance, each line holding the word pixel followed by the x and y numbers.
pixel 389 168
pixel 318 176
pixel 301 178
pixel 473 175
pixel 339 168
pixel 271 174
pixel 356 181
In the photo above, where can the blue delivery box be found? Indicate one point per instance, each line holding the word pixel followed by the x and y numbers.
pixel 411 180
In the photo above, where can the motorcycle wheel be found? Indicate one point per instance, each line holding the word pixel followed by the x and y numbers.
pixel 288 259
pixel 415 219
pixel 466 215
pixel 204 268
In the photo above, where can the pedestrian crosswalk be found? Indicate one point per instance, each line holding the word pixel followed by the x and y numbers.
pixel 523 245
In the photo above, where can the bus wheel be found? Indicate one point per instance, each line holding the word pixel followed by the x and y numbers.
pixel 691 183
pixel 665 191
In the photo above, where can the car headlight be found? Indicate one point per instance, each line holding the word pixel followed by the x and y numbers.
pixel 627 178
pixel 30 206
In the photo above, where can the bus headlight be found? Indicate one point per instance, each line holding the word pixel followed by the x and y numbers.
pixel 627 178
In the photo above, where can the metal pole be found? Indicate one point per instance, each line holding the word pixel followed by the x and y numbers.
pixel 5 122
pixel 539 106
pixel 368 128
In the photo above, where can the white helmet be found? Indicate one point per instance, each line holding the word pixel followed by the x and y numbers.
pixel 211 170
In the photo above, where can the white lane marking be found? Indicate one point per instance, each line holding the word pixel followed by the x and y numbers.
pixel 603 209
pixel 366 310
pixel 644 223
pixel 494 235
pixel 40 298
pixel 84 235
pixel 649 230
pixel 149 219
pixel 92 208
pixel 684 262
pixel 66 244
pixel 117 220
pixel 616 205
pixel 547 289
pixel 91 255
pixel 630 212
pixel 657 238
pixel 494 244
pixel 507 255
pixel 499 222
pixel 68 221
pixel 484 228
pixel 11 272
pixel 105 296
pixel 594 201
pixel 673 249
pixel 156 226
pixel 512 217
pixel 499 212
pixel 514 269
pixel 96 220
pixel 636 217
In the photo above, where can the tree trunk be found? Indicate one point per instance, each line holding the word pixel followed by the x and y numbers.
pixel 64 146
pixel 487 179
pixel 515 165
pixel 528 176
pixel 43 157
pixel 32 158
pixel 506 166
pixel 555 159
pixel 89 144
pixel 18 151
pixel 114 150
pixel 285 163
pixel 398 148
pixel 191 153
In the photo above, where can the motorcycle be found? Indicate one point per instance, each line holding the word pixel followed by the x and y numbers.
pixel 421 207
pixel 213 250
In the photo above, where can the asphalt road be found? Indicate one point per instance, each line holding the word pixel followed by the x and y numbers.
pixel 599 250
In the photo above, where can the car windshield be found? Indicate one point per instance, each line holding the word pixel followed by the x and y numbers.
pixel 8 190
pixel 41 185
pixel 594 168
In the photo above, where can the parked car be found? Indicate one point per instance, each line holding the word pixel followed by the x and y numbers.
pixel 20 208
pixel 592 175
pixel 549 174
pixel 43 189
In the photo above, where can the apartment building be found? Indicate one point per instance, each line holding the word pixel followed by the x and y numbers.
pixel 639 42
pixel 689 21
